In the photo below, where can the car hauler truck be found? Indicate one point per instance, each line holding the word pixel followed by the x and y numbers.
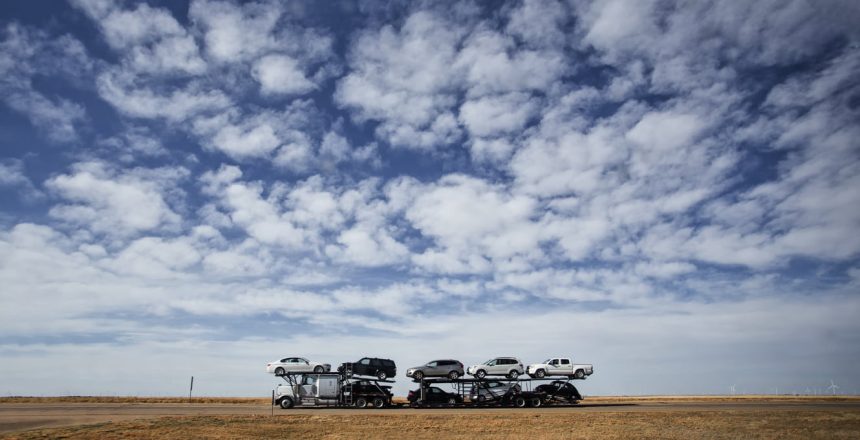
pixel 332 389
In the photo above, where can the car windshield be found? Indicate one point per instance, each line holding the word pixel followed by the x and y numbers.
pixel 547 361
pixel 489 362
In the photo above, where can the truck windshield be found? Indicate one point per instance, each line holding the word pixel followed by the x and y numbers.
pixel 547 361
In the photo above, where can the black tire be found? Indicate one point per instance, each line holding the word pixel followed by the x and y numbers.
pixel 452 401
pixel 378 402
pixel 579 374
pixel 381 375
pixel 480 374
pixel 536 402
pixel 453 375
pixel 520 402
pixel 513 374
pixel 360 402
pixel 279 371
pixel 286 403
pixel 418 375
pixel 540 374
pixel 482 398
pixel 319 369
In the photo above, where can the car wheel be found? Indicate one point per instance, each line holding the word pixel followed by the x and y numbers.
pixel 418 375
pixel 279 371
pixel 514 374
pixel 286 403
pixel 536 402
pixel 579 374
pixel 519 402
pixel 453 375
pixel 540 374
pixel 318 369
pixel 452 401
pixel 381 375
pixel 361 402
pixel 378 402
pixel 480 374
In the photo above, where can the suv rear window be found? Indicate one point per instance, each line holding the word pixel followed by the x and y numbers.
pixel 387 362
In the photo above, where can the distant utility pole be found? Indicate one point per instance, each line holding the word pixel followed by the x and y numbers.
pixel 190 389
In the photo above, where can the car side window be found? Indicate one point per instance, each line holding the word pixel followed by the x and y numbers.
pixel 554 362
pixel 565 361
pixel 365 361
pixel 492 362
pixel 432 364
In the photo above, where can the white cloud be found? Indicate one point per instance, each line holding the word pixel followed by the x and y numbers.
pixel 111 202
pixel 495 115
pixel 232 32
pixel 176 106
pixel 402 78
pixel 280 74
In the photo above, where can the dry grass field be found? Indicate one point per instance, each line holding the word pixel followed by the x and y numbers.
pixel 681 417
pixel 610 425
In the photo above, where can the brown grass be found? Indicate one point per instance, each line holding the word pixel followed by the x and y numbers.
pixel 130 399
pixel 402 400
pixel 746 424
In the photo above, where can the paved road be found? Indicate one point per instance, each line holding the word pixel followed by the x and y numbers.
pixel 25 416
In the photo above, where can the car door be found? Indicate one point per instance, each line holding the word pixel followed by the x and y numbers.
pixel 431 394
pixel 553 367
pixel 564 367
pixel 493 367
pixel 290 365
pixel 364 367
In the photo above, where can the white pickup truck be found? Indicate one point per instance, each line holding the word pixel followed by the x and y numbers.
pixel 559 367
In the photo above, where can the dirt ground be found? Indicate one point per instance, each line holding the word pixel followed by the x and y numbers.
pixel 609 417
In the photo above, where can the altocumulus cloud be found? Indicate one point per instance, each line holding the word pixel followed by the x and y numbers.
pixel 668 190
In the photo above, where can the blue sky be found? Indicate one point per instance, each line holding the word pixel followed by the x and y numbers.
pixel 667 190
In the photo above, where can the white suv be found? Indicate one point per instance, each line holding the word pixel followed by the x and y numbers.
pixel 500 366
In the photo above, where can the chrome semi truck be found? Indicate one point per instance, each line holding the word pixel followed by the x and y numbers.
pixel 333 390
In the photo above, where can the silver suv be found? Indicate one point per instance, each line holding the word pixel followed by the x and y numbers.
pixel 500 366
pixel 492 390
pixel 450 368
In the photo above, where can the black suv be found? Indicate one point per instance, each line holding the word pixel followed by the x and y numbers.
pixel 381 368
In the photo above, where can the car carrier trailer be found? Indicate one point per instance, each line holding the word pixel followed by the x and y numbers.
pixel 344 390
pixel 515 392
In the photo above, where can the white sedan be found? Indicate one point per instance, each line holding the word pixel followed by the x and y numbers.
pixel 296 365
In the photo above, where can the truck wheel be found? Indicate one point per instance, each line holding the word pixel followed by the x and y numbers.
pixel 279 371
pixel 378 402
pixel 514 374
pixel 361 402
pixel 579 374
pixel 540 374
pixel 536 402
pixel 453 375
pixel 318 369
pixel 482 398
pixel 480 374
pixel 418 375
pixel 381 375
pixel 520 402
pixel 286 403
pixel 452 401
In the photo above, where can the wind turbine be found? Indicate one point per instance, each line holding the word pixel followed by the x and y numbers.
pixel 833 387
pixel 733 389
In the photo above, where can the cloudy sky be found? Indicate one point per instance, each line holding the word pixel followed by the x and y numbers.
pixel 669 190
